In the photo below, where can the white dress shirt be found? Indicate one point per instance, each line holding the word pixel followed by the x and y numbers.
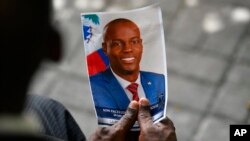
pixel 124 83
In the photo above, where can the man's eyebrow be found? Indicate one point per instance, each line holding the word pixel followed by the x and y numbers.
pixel 116 40
pixel 137 37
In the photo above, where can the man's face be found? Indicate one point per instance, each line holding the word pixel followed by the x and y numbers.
pixel 123 46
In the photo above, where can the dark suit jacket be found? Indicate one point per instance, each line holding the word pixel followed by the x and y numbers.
pixel 55 119
pixel 108 93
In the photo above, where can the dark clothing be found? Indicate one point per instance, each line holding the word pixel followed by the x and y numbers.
pixel 56 121
pixel 26 137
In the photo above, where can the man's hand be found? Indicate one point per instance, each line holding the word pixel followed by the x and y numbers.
pixel 161 131
pixel 118 131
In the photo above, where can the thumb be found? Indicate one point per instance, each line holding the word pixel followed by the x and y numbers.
pixel 144 116
pixel 129 118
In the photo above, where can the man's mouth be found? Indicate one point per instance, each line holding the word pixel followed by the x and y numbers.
pixel 128 59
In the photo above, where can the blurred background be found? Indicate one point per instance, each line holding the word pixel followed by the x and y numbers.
pixel 208 63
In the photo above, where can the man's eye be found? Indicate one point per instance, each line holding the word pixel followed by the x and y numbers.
pixel 116 44
pixel 135 41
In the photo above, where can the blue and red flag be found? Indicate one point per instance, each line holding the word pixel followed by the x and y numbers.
pixel 97 61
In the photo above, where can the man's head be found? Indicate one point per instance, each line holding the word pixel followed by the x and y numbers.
pixel 123 46
pixel 26 38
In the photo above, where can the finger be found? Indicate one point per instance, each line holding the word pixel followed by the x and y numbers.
pixel 129 118
pixel 167 125
pixel 99 134
pixel 144 116
pixel 167 122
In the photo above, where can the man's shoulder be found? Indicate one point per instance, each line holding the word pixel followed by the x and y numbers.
pixel 40 102
pixel 100 75
pixel 97 75
pixel 151 74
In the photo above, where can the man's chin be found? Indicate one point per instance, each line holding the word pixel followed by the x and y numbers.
pixel 129 70
pixel 126 70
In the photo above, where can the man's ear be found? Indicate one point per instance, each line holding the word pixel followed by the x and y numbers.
pixel 104 48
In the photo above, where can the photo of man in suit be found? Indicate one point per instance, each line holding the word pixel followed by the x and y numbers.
pixel 123 80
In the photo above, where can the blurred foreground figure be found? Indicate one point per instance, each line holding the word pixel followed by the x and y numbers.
pixel 26 37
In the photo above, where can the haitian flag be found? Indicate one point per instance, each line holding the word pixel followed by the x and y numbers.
pixel 97 61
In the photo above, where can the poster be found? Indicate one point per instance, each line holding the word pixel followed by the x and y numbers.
pixel 123 48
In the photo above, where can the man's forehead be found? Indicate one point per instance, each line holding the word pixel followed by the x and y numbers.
pixel 121 25
pixel 120 21
pixel 120 29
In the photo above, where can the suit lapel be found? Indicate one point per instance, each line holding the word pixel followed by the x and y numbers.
pixel 116 91
pixel 149 89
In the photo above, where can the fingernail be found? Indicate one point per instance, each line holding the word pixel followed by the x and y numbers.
pixel 134 105
pixel 144 102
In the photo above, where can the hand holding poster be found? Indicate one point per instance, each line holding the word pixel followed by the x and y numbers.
pixel 125 53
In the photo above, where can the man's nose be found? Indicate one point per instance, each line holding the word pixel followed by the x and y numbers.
pixel 127 47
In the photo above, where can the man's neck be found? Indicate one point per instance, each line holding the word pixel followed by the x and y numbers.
pixel 131 77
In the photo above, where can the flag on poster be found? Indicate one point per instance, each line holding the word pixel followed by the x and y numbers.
pixel 97 61
pixel 147 43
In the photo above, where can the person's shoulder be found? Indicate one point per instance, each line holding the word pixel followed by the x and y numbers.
pixel 42 102
pixel 100 75
pixel 97 75
pixel 151 74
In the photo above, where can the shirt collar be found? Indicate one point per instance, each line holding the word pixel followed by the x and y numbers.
pixel 124 83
